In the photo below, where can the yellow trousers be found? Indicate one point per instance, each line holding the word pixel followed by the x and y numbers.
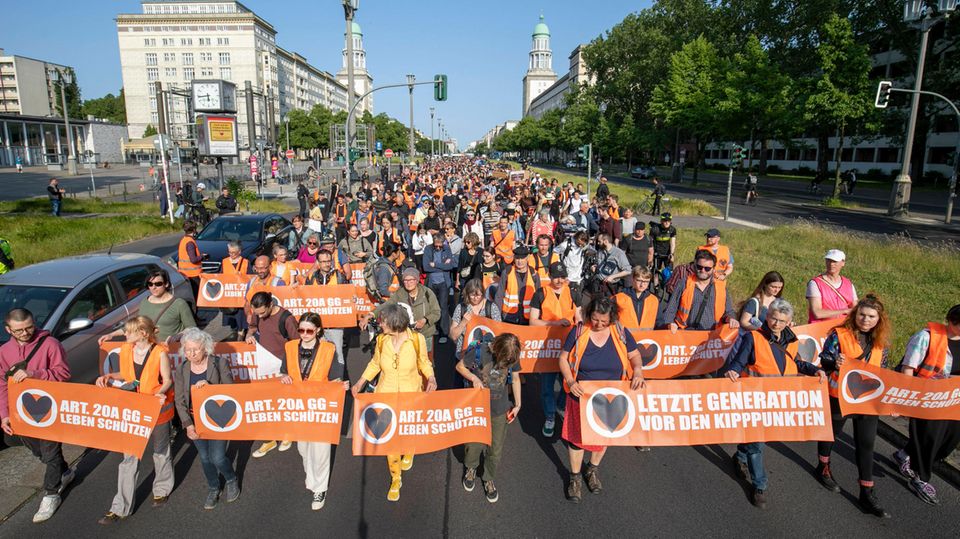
pixel 393 463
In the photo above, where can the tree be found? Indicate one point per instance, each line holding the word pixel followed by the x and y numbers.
pixel 72 89
pixel 109 107
pixel 149 131
pixel 841 93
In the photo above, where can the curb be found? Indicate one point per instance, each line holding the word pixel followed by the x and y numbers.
pixel 948 471
pixel 72 464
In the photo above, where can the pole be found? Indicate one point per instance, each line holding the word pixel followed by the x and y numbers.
pixel 251 119
pixel 93 183
pixel 71 156
pixel 162 134
pixel 351 96
pixel 589 167
pixel 953 183
pixel 219 171
pixel 726 208
pixel 900 196
pixel 410 147
pixel 431 134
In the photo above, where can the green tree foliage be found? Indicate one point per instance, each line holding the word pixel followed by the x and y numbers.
pixel 72 90
pixel 109 107
pixel 149 131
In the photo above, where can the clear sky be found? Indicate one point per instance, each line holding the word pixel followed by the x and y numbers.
pixel 481 45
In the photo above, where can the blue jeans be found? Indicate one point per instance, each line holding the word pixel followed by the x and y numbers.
pixel 752 454
pixel 549 399
pixel 55 207
pixel 213 459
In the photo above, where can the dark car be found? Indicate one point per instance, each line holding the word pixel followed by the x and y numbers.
pixel 643 172
pixel 256 233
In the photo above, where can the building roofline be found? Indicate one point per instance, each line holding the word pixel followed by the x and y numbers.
pixel 34 59
pixel 28 118
pixel 180 18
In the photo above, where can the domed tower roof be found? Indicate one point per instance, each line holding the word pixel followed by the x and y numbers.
pixel 356 29
pixel 541 29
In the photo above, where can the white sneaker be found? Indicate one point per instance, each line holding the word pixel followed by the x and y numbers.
pixel 319 498
pixel 65 479
pixel 284 445
pixel 48 506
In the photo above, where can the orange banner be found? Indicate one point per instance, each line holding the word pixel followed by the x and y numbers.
pixel 364 303
pixel 85 415
pixel 306 412
pixel 222 291
pixel 248 362
pixel 870 390
pixel 299 270
pixel 811 338
pixel 684 353
pixel 334 303
pixel 540 346
pixel 414 423
pixel 707 411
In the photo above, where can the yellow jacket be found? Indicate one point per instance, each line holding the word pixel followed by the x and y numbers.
pixel 399 374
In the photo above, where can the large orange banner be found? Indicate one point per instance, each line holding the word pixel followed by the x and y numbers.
pixel 334 303
pixel 305 412
pixel 684 353
pixel 706 411
pixel 811 338
pixel 540 346
pixel 85 415
pixel 222 291
pixel 414 423
pixel 247 362
pixel 364 303
pixel 870 390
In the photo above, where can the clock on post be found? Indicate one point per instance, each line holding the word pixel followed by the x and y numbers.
pixel 214 96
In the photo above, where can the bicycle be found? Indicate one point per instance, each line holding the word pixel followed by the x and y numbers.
pixel 198 214
pixel 751 196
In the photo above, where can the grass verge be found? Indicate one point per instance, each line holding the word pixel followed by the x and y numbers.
pixel 98 205
pixel 917 283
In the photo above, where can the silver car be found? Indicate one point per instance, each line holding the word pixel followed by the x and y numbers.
pixel 79 298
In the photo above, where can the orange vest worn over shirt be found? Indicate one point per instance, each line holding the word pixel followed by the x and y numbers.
pixel 286 273
pixel 228 268
pixel 503 244
pixel 686 301
pixel 722 252
pixel 511 296
pixel 628 312
pixel 341 213
pixel 765 364
pixel 321 364
pixel 184 265
pixel 936 359
pixel 583 339
pixel 150 381
pixel 557 307
pixel 852 351
pixel 534 262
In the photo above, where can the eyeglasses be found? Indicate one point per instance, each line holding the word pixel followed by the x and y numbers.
pixel 312 243
pixel 306 331
pixel 156 284
pixel 27 329
pixel 642 281
pixel 703 268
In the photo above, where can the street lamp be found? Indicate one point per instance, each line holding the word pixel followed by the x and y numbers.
pixel 431 133
pixel 71 157
pixel 410 147
pixel 349 8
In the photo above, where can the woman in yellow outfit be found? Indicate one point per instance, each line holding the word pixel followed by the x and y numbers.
pixel 400 358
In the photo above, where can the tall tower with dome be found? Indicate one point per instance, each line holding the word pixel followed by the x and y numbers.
pixel 540 74
pixel 362 81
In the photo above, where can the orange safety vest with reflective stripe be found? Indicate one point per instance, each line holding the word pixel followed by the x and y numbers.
pixel 150 381
pixel 503 244
pixel 382 238
pixel 765 364
pixel 321 364
pixel 628 313
pixel 368 218
pixel 511 296
pixel 184 265
pixel 619 343
pixel 253 286
pixel 227 267
pixel 936 359
pixel 851 349
pixel 341 213
pixel 557 307
pixel 722 252
pixel 534 262
pixel 285 273
pixel 686 301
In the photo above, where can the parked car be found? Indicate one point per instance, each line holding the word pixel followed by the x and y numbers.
pixel 572 164
pixel 643 172
pixel 256 233
pixel 79 298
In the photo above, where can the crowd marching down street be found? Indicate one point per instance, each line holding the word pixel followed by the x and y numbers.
pixel 532 282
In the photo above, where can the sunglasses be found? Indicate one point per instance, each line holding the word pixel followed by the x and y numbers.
pixel 704 268
pixel 156 284
pixel 306 331
pixel 312 243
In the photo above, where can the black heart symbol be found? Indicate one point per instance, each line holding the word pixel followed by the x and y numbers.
pixel 377 421
pixel 213 289
pixel 807 350
pixel 858 385
pixel 37 406
pixel 648 352
pixel 221 414
pixel 610 412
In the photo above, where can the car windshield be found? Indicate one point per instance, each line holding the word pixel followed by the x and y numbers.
pixel 231 230
pixel 39 300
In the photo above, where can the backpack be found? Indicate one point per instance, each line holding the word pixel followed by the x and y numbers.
pixel 370 278
pixel 284 315
pixel 680 274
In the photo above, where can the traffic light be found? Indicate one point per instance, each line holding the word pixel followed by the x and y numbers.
pixel 883 94
pixel 736 156
pixel 583 152
pixel 440 87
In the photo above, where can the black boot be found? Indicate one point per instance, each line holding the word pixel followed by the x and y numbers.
pixel 825 476
pixel 871 504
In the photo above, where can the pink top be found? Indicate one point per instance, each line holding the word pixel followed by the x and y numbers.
pixel 832 299
pixel 49 363
pixel 306 257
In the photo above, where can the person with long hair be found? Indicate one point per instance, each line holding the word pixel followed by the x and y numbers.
pixel 864 336
pixel 474 303
pixel 754 311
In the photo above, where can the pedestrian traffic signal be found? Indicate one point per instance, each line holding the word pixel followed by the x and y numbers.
pixel 440 87
pixel 883 94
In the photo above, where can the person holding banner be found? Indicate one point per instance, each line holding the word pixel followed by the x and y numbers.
pixel 35 353
pixel 312 359
pixel 700 302
pixel 308 253
pixel 597 350
pixel 830 296
pixel 638 307
pixel 421 303
pixel 281 268
pixel 272 327
pixel 771 350
pixel 200 369
pixel 326 275
pixel 474 303
pixel 932 353
pixel 189 257
pixel 400 359
pixel 356 248
pixel 863 336
pixel 722 252
pixel 144 368
pixel 234 263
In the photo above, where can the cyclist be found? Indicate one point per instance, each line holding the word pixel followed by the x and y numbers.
pixel 196 211
pixel 664 244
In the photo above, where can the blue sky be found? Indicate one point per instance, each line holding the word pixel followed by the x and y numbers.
pixel 481 45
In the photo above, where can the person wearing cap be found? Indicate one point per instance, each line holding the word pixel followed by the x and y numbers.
pixel 722 252
pixel 472 224
pixel 664 237
pixel 517 286
pixel 418 300
pixel 638 246
pixel 504 240
pixel 541 260
pixel 438 261
pixel 700 301
pixel 830 296
pixel 516 223
pixel 553 305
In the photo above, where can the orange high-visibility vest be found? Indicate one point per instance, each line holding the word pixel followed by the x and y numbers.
pixel 686 301
pixel 556 307
pixel 184 265
pixel 227 267
pixel 503 244
pixel 285 273
pixel 534 262
pixel 382 238
pixel 765 364
pixel 722 252
pixel 851 349
pixel 150 381
pixel 936 359
pixel 341 212
pixel 619 343
pixel 628 313
pixel 511 296
pixel 321 364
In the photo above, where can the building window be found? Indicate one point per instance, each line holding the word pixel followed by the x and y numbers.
pixel 888 155
pixel 188 73
pixel 204 40
pixel 206 72
pixel 153 103
pixel 940 155
pixel 168 42
pixel 169 57
pixel 186 41
pixel 149 42
pixel 151 58
pixel 224 58
pixel 170 72
pixel 223 41
pixel 153 73
pixel 155 118
pixel 206 56
pixel 225 73
pixel 187 58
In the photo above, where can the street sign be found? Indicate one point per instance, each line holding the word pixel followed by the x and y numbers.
pixel 379 145
pixel 253 159
pixel 290 154
pixel 388 153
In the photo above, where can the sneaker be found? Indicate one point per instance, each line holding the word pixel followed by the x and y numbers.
pixel 903 464
pixel 924 491
pixel 592 478
pixel 871 504
pixel 759 498
pixel 406 462
pixel 394 493
pixel 575 488
pixel 284 445
pixel 232 491
pixel 825 476
pixel 741 469
pixel 642 448
pixel 319 498
pixel 213 496
pixel 65 479
pixel 264 448
pixel 491 491
pixel 469 479
pixel 548 426
pixel 442 340
pixel 160 501
pixel 48 506
pixel 109 518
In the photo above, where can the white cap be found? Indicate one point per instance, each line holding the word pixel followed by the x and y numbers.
pixel 836 255
pixel 201 185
